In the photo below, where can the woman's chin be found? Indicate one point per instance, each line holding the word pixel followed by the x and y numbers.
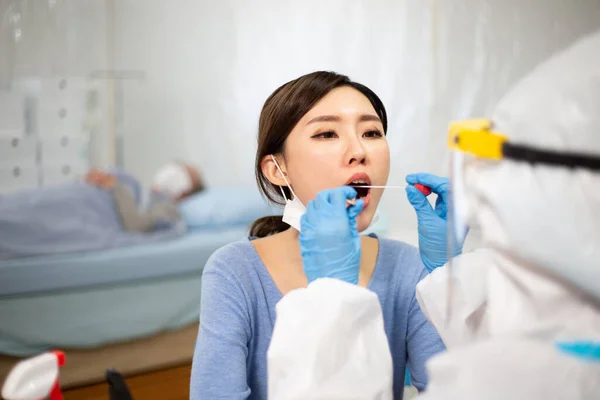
pixel 363 220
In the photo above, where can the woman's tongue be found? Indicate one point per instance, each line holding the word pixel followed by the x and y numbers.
pixel 361 191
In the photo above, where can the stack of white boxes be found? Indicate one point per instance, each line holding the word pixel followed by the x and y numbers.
pixel 43 141
pixel 18 151
pixel 59 122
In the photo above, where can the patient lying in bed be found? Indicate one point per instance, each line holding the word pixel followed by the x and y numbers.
pixel 103 211
pixel 172 183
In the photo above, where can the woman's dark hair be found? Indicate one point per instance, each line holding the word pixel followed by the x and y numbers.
pixel 280 114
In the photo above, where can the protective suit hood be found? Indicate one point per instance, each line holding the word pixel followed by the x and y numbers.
pixel 528 297
pixel 541 216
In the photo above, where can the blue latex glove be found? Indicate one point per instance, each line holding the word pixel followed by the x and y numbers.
pixel 329 239
pixel 432 223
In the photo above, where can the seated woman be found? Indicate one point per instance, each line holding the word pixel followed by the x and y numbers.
pixel 317 132
pixel 172 183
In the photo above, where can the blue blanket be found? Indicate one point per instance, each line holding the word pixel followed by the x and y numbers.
pixel 65 219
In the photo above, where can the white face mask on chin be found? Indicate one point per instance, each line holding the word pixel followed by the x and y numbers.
pixel 294 209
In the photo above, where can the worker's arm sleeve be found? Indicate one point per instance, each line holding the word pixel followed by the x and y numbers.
pixel 469 298
pixel 219 364
pixel 422 342
pixel 160 214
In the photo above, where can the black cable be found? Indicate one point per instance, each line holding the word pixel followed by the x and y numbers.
pixel 117 388
pixel 537 156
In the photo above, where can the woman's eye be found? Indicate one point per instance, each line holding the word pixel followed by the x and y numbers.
pixel 325 135
pixel 373 134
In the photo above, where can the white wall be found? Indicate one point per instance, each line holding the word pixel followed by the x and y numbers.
pixel 183 50
pixel 211 65
pixel 68 38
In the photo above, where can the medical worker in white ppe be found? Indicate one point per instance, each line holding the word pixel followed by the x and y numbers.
pixel 520 318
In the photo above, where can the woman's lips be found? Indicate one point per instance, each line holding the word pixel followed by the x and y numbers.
pixel 366 199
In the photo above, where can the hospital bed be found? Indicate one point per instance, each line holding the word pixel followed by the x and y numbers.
pixel 134 309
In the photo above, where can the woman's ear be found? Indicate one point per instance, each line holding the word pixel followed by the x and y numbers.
pixel 271 172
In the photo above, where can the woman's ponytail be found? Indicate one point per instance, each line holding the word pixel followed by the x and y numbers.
pixel 267 226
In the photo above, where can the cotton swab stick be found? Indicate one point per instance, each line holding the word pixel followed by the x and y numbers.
pixel 383 187
pixel 422 188
pixel 353 201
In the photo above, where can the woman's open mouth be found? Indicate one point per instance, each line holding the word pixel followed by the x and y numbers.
pixel 361 191
pixel 360 182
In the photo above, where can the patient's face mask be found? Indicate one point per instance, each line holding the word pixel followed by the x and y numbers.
pixel 172 180
pixel 294 209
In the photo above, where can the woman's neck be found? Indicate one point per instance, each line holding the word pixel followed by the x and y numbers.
pixel 280 253
pixel 291 235
pixel 282 258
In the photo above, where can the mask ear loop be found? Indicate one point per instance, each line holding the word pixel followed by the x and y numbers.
pixel 283 176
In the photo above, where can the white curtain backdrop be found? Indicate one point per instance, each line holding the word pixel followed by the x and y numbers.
pixel 211 65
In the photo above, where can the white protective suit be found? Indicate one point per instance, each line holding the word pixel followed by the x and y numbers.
pixel 536 283
pixel 539 282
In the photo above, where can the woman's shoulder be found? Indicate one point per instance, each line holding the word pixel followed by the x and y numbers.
pixel 236 259
pixel 234 250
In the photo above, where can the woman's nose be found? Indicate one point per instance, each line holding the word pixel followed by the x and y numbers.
pixel 356 152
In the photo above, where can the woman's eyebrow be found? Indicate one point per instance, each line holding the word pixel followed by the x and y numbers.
pixel 335 118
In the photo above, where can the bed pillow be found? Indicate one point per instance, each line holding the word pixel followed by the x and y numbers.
pixel 225 206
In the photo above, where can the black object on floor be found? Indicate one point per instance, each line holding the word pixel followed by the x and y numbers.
pixel 117 388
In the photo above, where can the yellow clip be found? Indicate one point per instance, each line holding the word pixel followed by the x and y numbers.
pixel 474 136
